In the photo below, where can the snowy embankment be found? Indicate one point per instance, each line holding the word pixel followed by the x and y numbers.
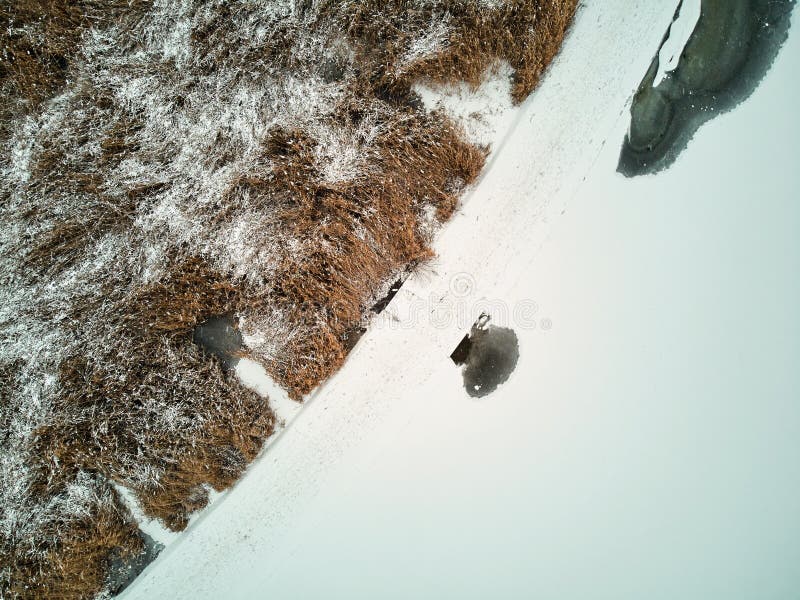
pixel 644 447
pixel 551 143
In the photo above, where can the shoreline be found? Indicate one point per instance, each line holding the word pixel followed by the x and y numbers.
pixel 511 201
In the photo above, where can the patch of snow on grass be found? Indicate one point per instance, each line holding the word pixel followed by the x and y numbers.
pixel 22 147
pixel 431 42
pixel 151 527
pixel 486 113
pixel 177 41
pixel 254 377
pixel 343 153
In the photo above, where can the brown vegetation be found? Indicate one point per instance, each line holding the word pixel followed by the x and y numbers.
pixel 106 401
pixel 111 251
pixel 325 291
pixel 71 559
pixel 39 40
pixel 525 33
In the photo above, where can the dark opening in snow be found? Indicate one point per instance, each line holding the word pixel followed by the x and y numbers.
pixel 351 336
pixel 220 337
pixel 354 333
pixel 489 355
pixel 123 571
pixel 731 49
pixel 381 304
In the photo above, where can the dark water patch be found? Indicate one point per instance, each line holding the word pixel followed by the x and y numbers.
pixel 727 56
pixel 332 69
pixel 123 571
pixel 489 355
pixel 220 337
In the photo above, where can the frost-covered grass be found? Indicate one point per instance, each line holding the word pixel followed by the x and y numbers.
pixel 165 162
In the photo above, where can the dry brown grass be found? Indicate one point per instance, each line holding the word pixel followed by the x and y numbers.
pixel 105 419
pixel 137 402
pixel 71 559
pixel 65 244
pixel 422 161
pixel 39 41
pixel 525 33
pixel 35 62
pixel 86 207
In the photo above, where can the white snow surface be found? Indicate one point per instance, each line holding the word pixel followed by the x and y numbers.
pixel 486 114
pixel 151 527
pixel 645 444
pixel 255 377
pixel 679 33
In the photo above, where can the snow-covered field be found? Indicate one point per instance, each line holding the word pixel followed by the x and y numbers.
pixel 647 443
